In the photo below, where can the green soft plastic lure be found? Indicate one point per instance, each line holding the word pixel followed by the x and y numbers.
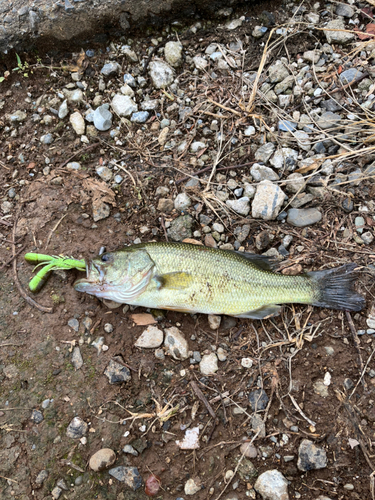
pixel 50 263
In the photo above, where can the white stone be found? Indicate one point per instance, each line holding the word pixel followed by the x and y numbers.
pixel 250 130
pixel 267 201
pixel 176 343
pixel 336 32
pixel 161 74
pixel 200 62
pixel 241 206
pixel 232 25
pixel 182 202
pixel 63 110
pixel 295 183
pixel 246 362
pixel 192 486
pixel 222 354
pixel 127 90
pixel 214 321
pixel 281 155
pixel 151 338
pixel 260 173
pixel 123 105
pixel 77 122
pixel 173 53
pixel 272 485
pixel 208 364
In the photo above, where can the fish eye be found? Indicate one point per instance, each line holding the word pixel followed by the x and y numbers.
pixel 106 257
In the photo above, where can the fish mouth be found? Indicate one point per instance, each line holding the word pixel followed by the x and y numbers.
pixel 94 279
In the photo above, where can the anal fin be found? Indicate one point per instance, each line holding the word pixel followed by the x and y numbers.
pixel 174 281
pixel 262 313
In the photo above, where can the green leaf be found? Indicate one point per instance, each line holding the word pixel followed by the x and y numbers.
pixel 19 62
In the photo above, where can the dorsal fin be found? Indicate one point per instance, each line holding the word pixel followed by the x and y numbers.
pixel 261 261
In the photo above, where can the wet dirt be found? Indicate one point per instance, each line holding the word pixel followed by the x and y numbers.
pixel 290 353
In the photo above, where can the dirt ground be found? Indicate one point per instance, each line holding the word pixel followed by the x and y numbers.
pixel 52 213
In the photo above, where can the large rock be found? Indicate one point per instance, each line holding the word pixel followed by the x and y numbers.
pixel 24 24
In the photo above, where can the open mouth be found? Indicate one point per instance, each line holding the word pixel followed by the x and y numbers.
pixel 94 278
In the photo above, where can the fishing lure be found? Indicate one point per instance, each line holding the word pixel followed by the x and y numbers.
pixel 50 263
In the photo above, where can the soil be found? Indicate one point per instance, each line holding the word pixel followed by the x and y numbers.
pixel 290 352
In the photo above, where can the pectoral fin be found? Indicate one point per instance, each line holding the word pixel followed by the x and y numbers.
pixel 174 281
pixel 262 313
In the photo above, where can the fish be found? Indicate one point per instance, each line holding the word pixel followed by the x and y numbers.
pixel 197 279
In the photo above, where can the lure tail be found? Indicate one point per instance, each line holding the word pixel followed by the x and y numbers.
pixel 335 288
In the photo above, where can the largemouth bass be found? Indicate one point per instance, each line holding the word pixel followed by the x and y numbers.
pixel 196 279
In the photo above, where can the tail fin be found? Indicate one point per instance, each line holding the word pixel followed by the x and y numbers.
pixel 336 288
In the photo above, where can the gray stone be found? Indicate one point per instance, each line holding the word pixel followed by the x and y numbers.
pixel 36 416
pixel 248 450
pixel 241 233
pixel 56 492
pixel 100 210
pixel 261 173
pixel 130 80
pixel 41 477
pixel 335 32
pixel 102 459
pixel 123 105
pixel 161 74
pixel 265 152
pixel 344 10
pixel 349 75
pixel 151 338
pixel 77 428
pixel 294 183
pixel 303 217
pixel 74 324
pixel 367 237
pixel 181 228
pixel 277 72
pixel 328 120
pixel 287 126
pixel 310 456
pixel 359 224
pixel 267 201
pixel 257 425
pixel 140 117
pixel 117 373
pixel 272 485
pixel 110 69
pixel 303 140
pixel 102 118
pixel 128 475
pixel 208 364
pixel 129 450
pixel 77 360
pixel 240 206
pixel 182 202
pixel 173 53
pixel 258 400
pixel 176 343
